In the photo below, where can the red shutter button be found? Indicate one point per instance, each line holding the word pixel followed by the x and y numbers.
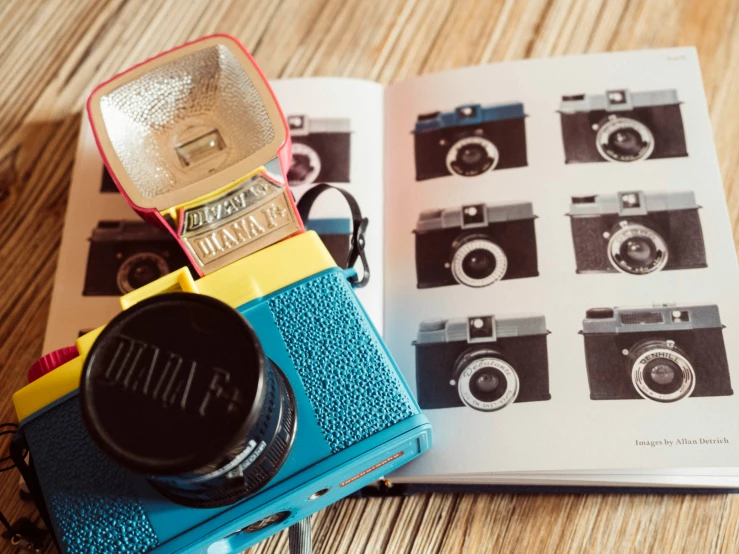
pixel 51 361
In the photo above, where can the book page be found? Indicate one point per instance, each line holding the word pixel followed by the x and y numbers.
pixel 106 250
pixel 336 130
pixel 560 270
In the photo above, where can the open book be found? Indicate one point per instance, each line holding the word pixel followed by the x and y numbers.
pixel 552 264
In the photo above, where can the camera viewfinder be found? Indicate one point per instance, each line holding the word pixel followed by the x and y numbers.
pixel 630 200
pixel 480 328
pixel 680 316
pixel 474 215
pixel 467 112
pixel 296 122
pixel 616 97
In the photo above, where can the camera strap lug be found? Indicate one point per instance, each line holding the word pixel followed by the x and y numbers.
pixel 359 228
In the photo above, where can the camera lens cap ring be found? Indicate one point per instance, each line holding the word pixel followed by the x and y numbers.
pixel 630 232
pixel 488 364
pixel 662 354
pixel 302 150
pixel 468 248
pixel 489 161
pixel 620 124
pixel 173 383
pixel 140 259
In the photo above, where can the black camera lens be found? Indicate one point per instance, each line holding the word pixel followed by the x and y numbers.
pixel 306 165
pixel 139 270
pixel 637 249
pixel 663 376
pixel 626 142
pixel 485 380
pixel 477 261
pixel 488 384
pixel 622 139
pixel 300 168
pixel 178 388
pixel 661 371
pixel 472 156
pixel 479 264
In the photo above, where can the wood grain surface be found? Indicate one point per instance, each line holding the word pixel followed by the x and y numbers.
pixel 53 52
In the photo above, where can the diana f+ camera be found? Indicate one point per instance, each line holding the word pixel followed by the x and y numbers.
pixel 622 126
pixel 212 412
pixel 663 353
pixel 637 233
pixel 483 362
pixel 470 141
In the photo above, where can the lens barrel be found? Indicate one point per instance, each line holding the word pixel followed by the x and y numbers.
pixel 637 249
pixel 485 380
pixel 661 371
pixel 471 156
pixel 178 388
pixel 623 139
pixel 476 261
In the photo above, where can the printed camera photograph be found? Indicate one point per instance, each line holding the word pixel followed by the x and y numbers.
pixel 470 140
pixel 483 362
pixel 637 233
pixel 321 150
pixel 622 126
pixel 126 255
pixel 663 353
pixel 475 245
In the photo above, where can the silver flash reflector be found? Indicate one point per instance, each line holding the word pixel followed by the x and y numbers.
pixel 186 123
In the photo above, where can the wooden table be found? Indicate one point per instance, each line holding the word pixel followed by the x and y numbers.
pixel 52 52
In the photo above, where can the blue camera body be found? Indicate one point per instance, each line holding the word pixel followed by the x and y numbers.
pixel 470 140
pixel 470 114
pixel 356 421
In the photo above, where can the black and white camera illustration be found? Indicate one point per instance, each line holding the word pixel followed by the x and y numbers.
pixel 485 362
pixel 622 126
pixel 475 245
pixel 125 255
pixel 637 232
pixel 470 140
pixel 320 148
pixel 663 353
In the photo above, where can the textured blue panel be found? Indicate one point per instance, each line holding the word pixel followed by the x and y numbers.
pixel 354 387
pixel 91 500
